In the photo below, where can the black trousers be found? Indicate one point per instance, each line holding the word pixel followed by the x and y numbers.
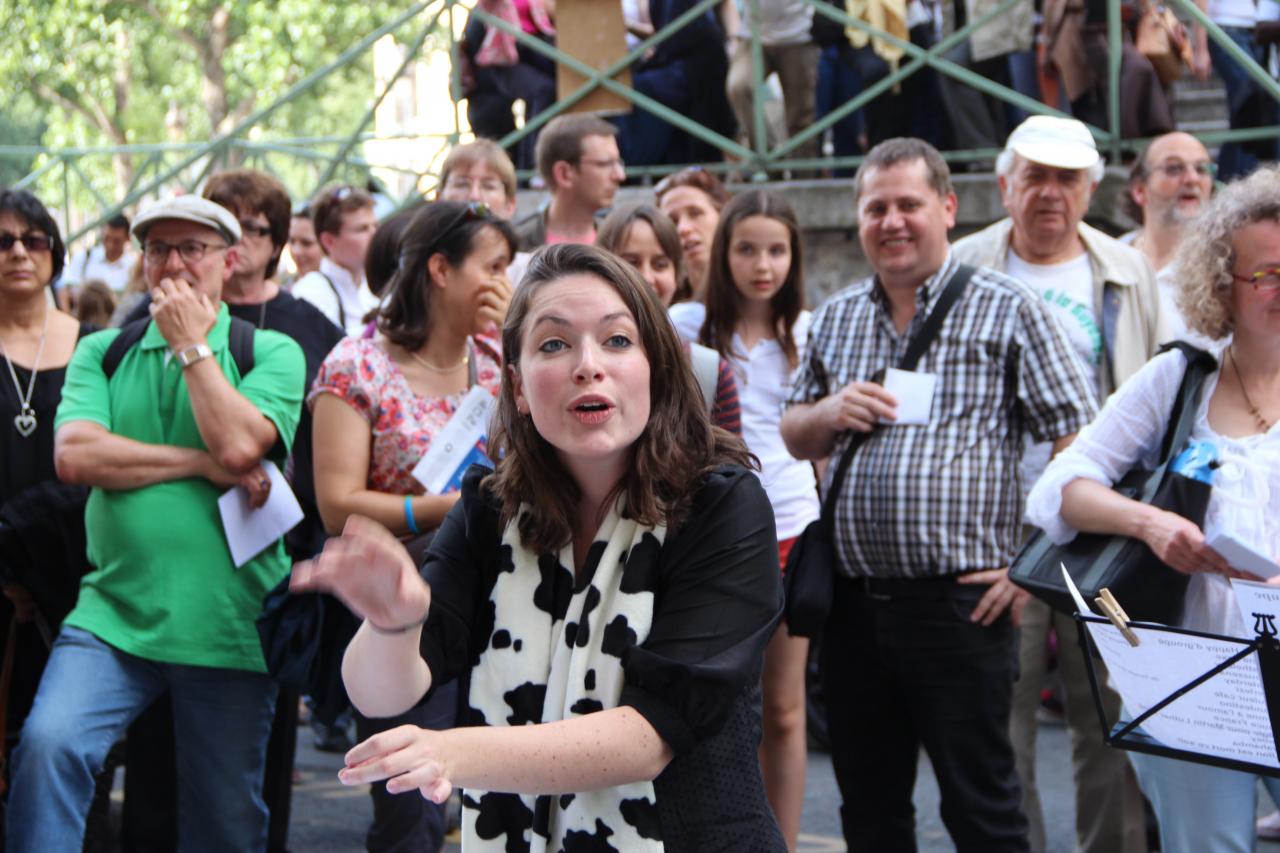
pixel 408 822
pixel 903 667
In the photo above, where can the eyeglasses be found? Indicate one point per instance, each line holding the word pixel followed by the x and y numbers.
pixel 191 251
pixel 1263 281
pixel 30 242
pixel 1176 169
pixel 608 165
pixel 462 184
pixel 254 229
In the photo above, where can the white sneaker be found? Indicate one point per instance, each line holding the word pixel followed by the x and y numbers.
pixel 1269 826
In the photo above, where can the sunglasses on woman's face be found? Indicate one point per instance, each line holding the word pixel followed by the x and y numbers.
pixel 30 242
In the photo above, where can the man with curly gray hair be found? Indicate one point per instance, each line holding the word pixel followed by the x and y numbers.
pixel 1104 296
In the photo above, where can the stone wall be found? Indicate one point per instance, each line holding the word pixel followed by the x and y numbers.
pixel 833 255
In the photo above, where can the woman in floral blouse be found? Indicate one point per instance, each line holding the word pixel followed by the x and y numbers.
pixel 378 402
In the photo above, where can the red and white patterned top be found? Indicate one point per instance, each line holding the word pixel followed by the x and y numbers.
pixel 361 373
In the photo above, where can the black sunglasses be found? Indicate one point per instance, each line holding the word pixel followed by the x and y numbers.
pixel 30 242
pixel 254 229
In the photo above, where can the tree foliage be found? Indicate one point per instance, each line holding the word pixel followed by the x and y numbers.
pixel 116 72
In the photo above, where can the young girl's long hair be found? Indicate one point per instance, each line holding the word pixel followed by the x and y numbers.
pixel 723 298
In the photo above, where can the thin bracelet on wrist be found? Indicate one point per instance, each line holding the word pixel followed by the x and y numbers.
pixel 409 520
pixel 399 629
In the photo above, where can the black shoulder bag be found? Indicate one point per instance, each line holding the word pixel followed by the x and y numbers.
pixel 1149 589
pixel 809 575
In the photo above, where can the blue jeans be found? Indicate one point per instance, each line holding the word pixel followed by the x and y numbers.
pixel 89 694
pixel 1201 808
pixel 1247 106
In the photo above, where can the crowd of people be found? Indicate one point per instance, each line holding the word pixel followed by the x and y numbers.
pixel 1050 51
pixel 583 633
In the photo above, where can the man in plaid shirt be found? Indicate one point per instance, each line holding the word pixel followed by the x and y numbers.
pixel 919 649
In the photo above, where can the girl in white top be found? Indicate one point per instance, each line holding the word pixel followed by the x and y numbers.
pixel 754 299
pixel 1229 290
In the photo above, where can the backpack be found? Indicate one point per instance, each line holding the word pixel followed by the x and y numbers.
pixel 239 339
pixel 706 369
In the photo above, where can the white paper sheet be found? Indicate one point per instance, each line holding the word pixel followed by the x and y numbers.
pixel 914 392
pixel 1081 605
pixel 457 445
pixel 1242 557
pixel 1259 606
pixel 249 531
pixel 1226 716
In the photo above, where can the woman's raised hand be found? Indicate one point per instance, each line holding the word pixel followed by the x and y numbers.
pixel 407 757
pixel 1181 545
pixel 494 300
pixel 369 571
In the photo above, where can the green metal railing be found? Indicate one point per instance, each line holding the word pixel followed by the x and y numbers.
pixel 330 157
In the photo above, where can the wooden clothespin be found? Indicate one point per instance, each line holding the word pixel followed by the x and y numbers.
pixel 1112 610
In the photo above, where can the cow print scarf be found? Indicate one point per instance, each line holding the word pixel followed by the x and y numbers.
pixel 555 653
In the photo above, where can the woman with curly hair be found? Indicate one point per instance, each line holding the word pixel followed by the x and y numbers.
pixel 609 590
pixel 1229 291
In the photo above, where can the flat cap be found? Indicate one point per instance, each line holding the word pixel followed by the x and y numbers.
pixel 1054 141
pixel 188 208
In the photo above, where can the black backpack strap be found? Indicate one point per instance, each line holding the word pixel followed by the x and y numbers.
pixel 1182 418
pixel 130 334
pixel 929 330
pixel 342 312
pixel 240 342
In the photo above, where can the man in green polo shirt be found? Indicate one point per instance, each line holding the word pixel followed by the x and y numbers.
pixel 174 427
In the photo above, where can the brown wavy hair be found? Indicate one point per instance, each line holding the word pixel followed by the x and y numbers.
pixel 723 298
pixel 677 448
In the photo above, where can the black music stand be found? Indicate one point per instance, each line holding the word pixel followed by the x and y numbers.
pixel 1125 734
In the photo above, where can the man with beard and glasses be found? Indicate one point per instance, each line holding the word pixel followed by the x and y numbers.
pixel 1168 185
pixel 1104 296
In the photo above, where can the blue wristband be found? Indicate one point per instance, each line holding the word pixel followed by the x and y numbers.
pixel 408 515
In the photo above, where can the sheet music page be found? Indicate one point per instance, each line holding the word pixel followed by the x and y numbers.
pixel 1224 717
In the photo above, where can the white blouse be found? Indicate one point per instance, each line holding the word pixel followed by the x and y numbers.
pixel 1245 501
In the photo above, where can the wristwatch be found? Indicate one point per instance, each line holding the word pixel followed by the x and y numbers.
pixel 190 355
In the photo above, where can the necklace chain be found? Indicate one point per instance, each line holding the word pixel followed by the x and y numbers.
pixel 25 421
pixel 1253 410
pixel 466 357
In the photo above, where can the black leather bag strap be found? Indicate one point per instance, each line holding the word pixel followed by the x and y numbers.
pixel 918 346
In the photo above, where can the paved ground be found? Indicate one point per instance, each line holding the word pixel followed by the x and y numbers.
pixel 329 817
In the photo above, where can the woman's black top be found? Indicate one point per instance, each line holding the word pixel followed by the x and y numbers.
pixel 695 679
pixel 25 461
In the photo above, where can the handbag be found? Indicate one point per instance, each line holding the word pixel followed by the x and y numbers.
pixel 1150 590
pixel 1162 39
pixel 809 579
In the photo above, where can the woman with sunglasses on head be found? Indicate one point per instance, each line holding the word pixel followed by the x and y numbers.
pixel 607 593
pixel 379 401
pixel 1228 282
pixel 36 342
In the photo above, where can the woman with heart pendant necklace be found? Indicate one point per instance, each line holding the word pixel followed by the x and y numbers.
pixel 36 342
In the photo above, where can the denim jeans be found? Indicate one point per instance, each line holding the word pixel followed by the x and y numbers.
pixel 1201 808
pixel 1247 106
pixel 89 694
pixel 904 668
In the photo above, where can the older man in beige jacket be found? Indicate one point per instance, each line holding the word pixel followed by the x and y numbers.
pixel 1104 294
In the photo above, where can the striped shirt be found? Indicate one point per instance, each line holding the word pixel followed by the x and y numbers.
pixel 945 497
